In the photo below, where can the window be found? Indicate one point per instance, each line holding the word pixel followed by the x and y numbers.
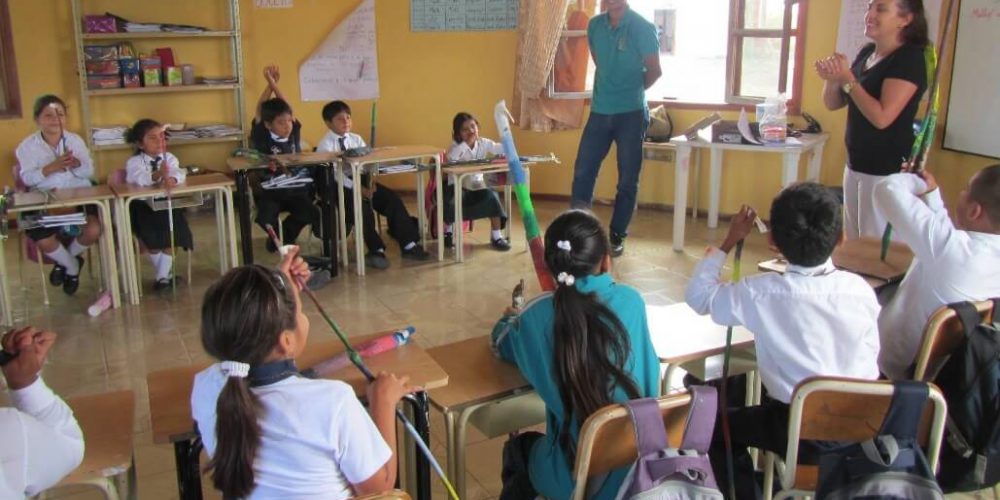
pixel 713 52
pixel 10 100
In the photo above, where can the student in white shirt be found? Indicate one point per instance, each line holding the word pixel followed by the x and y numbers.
pixel 271 433
pixel 52 159
pixel 41 441
pixel 478 199
pixel 953 261
pixel 813 320
pixel 402 227
pixel 152 165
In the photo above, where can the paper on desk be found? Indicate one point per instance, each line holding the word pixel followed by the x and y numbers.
pixel 744 126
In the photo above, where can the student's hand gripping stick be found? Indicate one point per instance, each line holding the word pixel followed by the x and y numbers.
pixel 359 363
pixel 723 392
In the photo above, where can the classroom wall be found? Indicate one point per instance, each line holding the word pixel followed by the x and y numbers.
pixel 425 79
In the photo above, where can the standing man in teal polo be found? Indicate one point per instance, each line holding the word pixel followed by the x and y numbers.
pixel 626 52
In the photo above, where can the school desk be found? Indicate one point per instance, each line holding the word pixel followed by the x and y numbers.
pixel 106 421
pixel 126 194
pixel 478 380
pixel 98 196
pixel 241 167
pixel 461 171
pixel 861 256
pixel 682 336
pixel 369 163
pixel 791 152
pixel 170 403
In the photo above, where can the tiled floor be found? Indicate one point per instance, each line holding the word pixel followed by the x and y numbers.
pixel 444 301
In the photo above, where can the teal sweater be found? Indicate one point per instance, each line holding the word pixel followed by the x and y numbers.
pixel 527 341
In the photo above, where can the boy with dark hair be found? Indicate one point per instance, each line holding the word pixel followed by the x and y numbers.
pixel 402 227
pixel 813 320
pixel 953 261
pixel 276 131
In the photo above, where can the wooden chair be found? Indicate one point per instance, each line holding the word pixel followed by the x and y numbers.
pixel 848 410
pixel 944 333
pixel 611 432
pixel 388 495
pixel 107 424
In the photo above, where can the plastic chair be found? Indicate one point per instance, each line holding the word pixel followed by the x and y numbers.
pixel 118 177
pixel 108 461
pixel 944 333
pixel 610 432
pixel 846 410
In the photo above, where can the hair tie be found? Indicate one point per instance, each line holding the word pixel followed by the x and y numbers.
pixel 235 369
pixel 564 245
pixel 566 278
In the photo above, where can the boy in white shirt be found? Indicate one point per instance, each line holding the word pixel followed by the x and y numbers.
pixel 953 261
pixel 813 320
pixel 42 442
pixel 402 227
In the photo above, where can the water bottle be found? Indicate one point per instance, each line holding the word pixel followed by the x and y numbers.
pixel 103 303
pixel 772 121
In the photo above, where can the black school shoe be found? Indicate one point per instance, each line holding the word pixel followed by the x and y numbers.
pixel 58 274
pixel 500 244
pixel 449 240
pixel 617 245
pixel 416 253
pixel 165 283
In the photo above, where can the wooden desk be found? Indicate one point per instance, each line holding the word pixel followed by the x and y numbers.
pixel 170 402
pixel 98 196
pixel 213 182
pixel 478 379
pixel 241 167
pixel 389 155
pixel 861 257
pixel 681 335
pixel 460 172
pixel 107 424
pixel 790 151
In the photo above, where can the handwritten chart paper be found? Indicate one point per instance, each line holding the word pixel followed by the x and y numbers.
pixel 345 66
pixel 974 101
pixel 851 32
pixel 463 15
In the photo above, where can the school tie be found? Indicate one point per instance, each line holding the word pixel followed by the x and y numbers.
pixel 155 162
pixel 340 142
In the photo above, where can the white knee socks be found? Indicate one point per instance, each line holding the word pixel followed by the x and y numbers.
pixel 163 263
pixel 75 248
pixel 63 258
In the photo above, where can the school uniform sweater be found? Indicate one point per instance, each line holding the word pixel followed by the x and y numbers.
pixel 527 340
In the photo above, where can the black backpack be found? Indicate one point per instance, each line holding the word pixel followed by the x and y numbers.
pixel 890 466
pixel 970 381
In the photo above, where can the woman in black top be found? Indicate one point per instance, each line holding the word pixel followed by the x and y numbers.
pixel 882 90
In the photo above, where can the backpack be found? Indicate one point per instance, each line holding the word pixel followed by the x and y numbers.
pixel 664 473
pixel 970 459
pixel 890 466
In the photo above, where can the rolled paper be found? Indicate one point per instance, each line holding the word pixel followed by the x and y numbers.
pixel 368 349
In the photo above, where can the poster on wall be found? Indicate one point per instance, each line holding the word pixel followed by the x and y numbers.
pixel 851 32
pixel 345 65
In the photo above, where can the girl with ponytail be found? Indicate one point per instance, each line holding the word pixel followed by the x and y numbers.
pixel 271 433
pixel 584 346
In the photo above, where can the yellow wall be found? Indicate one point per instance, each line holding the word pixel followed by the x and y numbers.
pixel 425 79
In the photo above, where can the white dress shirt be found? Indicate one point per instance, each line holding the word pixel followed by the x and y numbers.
pixel 139 169
pixel 33 154
pixel 316 438
pixel 460 151
pixel 331 143
pixel 949 265
pixel 40 441
pixel 806 322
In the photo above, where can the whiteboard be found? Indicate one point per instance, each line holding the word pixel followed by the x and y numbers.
pixel 851 31
pixel 345 65
pixel 972 124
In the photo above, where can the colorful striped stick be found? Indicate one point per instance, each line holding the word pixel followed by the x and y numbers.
pixel 355 358
pixel 533 233
pixel 925 136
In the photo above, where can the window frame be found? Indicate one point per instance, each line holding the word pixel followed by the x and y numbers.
pixel 735 35
pixel 8 64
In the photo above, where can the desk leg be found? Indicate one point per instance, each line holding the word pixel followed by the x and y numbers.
pixel 108 254
pixel 220 229
pixel 128 248
pixel 421 209
pixel 359 233
pixel 458 224
pixel 419 404
pixel 186 457
pixel 440 207
pixel 715 186
pixel 341 218
pixel 4 288
pixel 231 225
pixel 329 236
pixel 696 192
pixel 243 200
pixel 790 168
pixel 681 170
pixel 815 162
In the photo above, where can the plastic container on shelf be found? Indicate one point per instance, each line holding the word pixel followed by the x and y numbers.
pixel 772 120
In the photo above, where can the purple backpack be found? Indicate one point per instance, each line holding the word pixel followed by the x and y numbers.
pixel 664 473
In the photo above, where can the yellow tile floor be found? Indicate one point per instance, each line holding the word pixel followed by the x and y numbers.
pixel 445 301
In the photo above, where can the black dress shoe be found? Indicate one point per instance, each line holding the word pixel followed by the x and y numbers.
pixel 57 275
pixel 70 284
